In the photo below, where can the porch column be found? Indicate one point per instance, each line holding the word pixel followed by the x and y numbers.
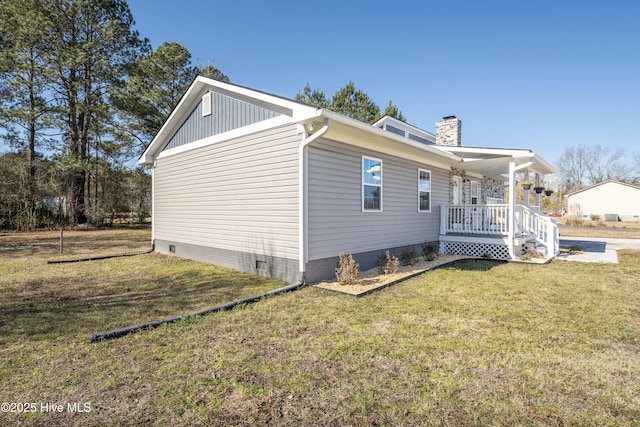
pixel 526 192
pixel 512 206
pixel 536 195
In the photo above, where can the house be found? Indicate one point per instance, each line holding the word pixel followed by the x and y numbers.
pixel 267 185
pixel 610 200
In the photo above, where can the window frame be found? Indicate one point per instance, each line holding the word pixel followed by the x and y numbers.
pixel 420 170
pixel 364 184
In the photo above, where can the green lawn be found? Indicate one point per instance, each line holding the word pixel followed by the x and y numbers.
pixel 481 343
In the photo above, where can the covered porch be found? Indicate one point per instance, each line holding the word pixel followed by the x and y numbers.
pixel 496 231
pixel 499 230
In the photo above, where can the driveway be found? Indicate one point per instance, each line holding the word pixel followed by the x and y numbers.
pixel 596 249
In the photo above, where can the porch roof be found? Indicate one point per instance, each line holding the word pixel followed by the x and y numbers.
pixel 494 162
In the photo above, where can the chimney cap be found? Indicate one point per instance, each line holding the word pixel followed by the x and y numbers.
pixel 449 117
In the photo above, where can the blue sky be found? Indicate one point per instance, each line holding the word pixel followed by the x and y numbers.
pixel 539 74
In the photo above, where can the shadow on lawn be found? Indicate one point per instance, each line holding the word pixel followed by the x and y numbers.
pixel 45 309
pixel 471 264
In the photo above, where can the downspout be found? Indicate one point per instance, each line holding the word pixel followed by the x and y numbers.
pixel 153 204
pixel 512 202
pixel 303 195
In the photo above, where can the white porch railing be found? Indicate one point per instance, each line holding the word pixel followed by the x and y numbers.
pixel 539 226
pixel 494 220
pixel 474 219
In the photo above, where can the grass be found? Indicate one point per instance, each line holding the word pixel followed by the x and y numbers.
pixel 39 300
pixel 479 343
pixel 589 228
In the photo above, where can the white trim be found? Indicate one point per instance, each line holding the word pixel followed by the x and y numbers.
pixel 362 183
pixel 460 193
pixel 420 191
pixel 235 133
pixel 494 239
pixel 353 123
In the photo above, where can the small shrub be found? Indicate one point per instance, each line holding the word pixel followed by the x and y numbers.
pixel 408 256
pixel 531 253
pixel 429 251
pixel 594 217
pixel 348 270
pixel 575 221
pixel 388 263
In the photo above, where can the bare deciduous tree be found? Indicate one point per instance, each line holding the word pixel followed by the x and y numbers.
pixel 573 166
pixel 581 165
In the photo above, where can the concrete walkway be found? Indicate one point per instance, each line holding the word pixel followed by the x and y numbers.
pixel 596 249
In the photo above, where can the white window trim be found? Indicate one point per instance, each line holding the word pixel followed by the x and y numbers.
pixel 420 191
pixel 362 183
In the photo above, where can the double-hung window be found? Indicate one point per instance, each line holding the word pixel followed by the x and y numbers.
pixel 424 190
pixel 371 184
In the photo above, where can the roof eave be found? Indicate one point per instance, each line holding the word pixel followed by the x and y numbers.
pixel 367 128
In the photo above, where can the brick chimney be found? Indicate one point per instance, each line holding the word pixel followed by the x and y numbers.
pixel 449 131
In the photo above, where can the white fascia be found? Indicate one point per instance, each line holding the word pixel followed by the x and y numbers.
pixel 389 135
pixel 235 133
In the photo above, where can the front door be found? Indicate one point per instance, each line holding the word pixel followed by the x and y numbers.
pixel 457 190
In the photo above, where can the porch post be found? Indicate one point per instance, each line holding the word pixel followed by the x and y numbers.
pixel 536 194
pixel 526 192
pixel 512 206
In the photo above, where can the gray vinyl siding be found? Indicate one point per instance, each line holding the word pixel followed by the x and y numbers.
pixel 336 222
pixel 227 114
pixel 238 195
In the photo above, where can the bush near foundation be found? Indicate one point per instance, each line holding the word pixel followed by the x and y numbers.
pixel 388 263
pixel 348 270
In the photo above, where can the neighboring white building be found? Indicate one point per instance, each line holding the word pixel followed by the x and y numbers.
pixel 610 200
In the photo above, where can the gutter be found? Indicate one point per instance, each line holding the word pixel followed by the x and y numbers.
pixel 303 190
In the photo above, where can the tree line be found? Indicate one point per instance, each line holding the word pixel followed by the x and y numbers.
pixel 580 166
pixel 82 94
